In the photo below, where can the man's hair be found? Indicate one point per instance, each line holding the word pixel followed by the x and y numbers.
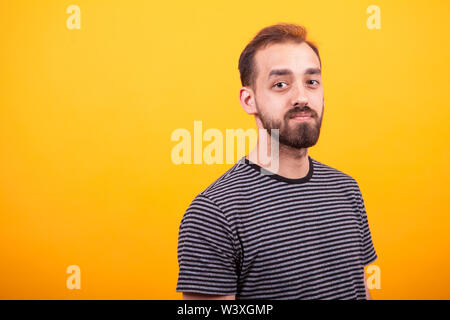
pixel 277 33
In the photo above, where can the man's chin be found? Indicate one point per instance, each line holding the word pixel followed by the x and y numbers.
pixel 298 143
pixel 298 147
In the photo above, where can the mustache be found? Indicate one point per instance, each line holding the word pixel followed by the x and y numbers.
pixel 296 110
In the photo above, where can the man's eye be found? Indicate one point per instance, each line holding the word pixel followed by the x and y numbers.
pixel 278 84
pixel 309 81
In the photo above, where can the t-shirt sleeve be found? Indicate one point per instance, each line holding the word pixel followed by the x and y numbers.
pixel 369 254
pixel 207 257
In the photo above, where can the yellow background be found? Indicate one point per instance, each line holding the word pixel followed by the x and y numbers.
pixel 86 118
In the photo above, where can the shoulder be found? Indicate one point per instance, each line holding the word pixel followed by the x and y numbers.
pixel 327 171
pixel 230 184
pixel 203 213
pixel 211 200
pixel 331 175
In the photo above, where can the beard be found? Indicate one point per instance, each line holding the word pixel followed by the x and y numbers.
pixel 297 135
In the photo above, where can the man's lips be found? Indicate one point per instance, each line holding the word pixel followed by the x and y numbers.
pixel 302 116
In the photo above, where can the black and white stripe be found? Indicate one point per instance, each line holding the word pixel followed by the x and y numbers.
pixel 262 236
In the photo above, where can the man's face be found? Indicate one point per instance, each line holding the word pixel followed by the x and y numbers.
pixel 289 93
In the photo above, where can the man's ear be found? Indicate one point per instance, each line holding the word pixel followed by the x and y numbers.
pixel 247 100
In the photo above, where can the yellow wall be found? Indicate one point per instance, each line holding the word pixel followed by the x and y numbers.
pixel 86 118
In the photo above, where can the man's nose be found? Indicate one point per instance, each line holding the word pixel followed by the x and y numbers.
pixel 299 95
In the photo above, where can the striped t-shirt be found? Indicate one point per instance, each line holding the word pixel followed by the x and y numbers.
pixel 264 236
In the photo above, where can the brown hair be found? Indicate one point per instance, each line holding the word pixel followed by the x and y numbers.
pixel 277 33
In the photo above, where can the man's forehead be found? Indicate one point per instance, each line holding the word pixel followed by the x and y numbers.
pixel 297 57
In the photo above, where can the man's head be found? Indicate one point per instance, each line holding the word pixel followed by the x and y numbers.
pixel 281 77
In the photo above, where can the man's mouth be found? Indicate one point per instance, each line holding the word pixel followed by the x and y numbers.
pixel 302 116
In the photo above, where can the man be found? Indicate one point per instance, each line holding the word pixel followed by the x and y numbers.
pixel 298 233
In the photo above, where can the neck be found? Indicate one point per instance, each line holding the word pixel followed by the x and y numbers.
pixel 292 163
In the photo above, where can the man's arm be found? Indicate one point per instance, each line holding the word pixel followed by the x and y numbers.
pixel 199 296
pixel 206 253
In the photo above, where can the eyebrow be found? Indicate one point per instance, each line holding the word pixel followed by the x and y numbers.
pixel 282 72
